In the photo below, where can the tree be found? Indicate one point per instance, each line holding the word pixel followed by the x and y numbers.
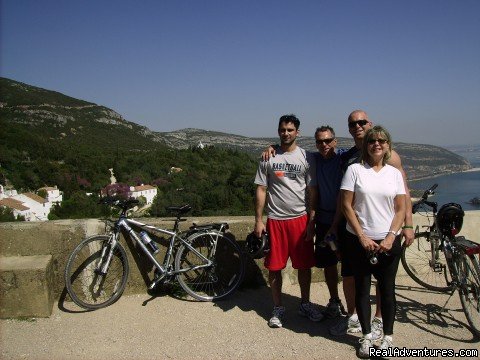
pixel 6 214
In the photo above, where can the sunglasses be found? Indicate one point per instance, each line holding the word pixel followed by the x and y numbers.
pixel 380 141
pixel 324 141
pixel 353 124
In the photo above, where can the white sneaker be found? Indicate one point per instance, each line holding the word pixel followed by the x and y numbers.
pixel 310 310
pixel 377 328
pixel 277 317
pixel 350 325
pixel 387 342
pixel 365 345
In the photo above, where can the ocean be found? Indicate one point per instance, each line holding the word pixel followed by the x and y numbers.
pixel 457 187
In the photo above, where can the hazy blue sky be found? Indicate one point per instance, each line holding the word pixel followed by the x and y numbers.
pixel 236 66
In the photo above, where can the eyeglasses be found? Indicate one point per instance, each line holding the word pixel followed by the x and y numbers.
pixel 380 141
pixel 324 141
pixel 353 124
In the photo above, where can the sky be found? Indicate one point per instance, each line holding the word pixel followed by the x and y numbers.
pixel 237 66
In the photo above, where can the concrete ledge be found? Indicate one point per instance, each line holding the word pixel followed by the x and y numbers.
pixel 26 286
pixel 57 239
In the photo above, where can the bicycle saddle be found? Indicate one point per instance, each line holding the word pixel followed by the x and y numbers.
pixel 180 209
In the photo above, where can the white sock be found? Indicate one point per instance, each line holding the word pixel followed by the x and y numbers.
pixel 388 337
pixel 354 317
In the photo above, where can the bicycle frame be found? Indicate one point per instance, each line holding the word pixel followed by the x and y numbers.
pixel 124 223
pixel 164 268
pixel 205 261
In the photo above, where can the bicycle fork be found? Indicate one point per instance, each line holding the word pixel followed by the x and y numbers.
pixel 106 256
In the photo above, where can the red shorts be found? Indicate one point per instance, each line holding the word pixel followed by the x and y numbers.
pixel 287 239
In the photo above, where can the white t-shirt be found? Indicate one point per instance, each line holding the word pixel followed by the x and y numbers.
pixel 286 176
pixel 374 195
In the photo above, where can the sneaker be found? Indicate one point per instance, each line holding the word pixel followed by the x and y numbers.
pixel 377 328
pixel 387 342
pixel 310 310
pixel 350 325
pixel 365 345
pixel 277 317
pixel 334 309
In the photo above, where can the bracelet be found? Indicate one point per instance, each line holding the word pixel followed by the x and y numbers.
pixel 392 232
pixel 407 227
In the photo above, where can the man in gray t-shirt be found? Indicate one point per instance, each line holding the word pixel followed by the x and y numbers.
pixel 286 175
pixel 283 183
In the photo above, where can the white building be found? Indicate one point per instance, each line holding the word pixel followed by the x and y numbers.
pixel 29 205
pixel 7 193
pixel 147 191
pixel 18 208
pixel 54 195
pixel 39 206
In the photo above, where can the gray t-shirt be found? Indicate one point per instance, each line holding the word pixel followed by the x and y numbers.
pixel 286 177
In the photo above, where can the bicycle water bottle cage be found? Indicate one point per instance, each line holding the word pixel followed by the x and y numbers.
pixel 450 219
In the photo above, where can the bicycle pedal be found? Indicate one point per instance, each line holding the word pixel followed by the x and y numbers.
pixel 155 282
pixel 153 285
pixel 437 267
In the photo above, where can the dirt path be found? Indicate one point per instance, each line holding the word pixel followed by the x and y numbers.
pixel 141 327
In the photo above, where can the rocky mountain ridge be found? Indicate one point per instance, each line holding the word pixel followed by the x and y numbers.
pixel 34 111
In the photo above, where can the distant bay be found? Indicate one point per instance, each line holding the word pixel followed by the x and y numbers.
pixel 457 187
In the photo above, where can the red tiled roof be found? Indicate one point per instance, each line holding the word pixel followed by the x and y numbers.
pixel 143 187
pixel 35 197
pixel 13 204
pixel 48 188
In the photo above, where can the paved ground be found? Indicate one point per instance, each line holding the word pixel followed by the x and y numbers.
pixel 165 327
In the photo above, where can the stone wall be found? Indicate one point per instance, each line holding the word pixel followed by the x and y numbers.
pixel 59 238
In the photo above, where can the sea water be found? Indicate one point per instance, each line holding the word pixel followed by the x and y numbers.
pixel 457 187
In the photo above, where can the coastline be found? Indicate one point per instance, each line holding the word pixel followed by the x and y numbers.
pixel 446 173
pixel 472 170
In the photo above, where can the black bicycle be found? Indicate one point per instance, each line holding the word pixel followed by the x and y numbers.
pixel 205 260
pixel 440 260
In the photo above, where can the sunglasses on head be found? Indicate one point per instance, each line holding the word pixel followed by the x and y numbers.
pixel 352 124
pixel 380 141
pixel 324 141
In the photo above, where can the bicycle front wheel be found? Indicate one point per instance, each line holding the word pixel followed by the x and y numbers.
pixel 221 278
pixel 469 290
pixel 427 271
pixel 86 285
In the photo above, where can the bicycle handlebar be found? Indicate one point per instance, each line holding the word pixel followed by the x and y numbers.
pixel 123 204
pixel 423 200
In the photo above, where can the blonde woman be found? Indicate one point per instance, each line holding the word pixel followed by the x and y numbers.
pixel 373 201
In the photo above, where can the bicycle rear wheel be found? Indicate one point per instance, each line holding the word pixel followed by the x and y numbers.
pixel 214 282
pixel 416 260
pixel 469 290
pixel 86 286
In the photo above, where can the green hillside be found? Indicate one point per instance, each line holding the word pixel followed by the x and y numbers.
pixel 48 138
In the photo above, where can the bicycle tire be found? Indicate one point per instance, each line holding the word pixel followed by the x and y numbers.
pixel 416 262
pixel 217 281
pixel 469 290
pixel 88 289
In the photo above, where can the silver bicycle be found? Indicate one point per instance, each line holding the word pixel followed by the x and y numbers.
pixel 205 260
